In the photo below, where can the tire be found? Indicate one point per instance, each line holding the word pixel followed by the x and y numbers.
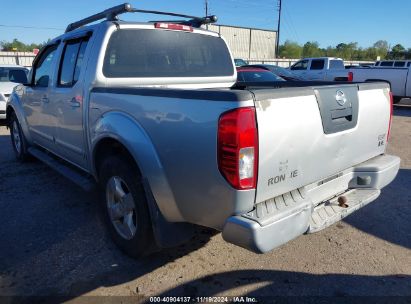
pixel 396 100
pixel 18 140
pixel 125 207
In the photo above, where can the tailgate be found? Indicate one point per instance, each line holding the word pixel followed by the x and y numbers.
pixel 309 134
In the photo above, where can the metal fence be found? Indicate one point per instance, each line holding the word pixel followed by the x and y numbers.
pixel 285 63
pixel 26 59
pixel 19 58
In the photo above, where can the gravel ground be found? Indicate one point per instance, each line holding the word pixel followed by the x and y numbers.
pixel 52 242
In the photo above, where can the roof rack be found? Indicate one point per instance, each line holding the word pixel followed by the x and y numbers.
pixel 111 14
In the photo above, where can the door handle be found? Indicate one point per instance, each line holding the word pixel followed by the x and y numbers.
pixel 44 99
pixel 339 115
pixel 74 103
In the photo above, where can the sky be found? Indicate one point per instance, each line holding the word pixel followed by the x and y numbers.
pixel 329 22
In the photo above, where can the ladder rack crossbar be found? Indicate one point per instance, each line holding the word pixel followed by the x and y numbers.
pixel 111 14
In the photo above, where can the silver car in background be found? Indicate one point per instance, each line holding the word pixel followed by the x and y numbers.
pixel 10 76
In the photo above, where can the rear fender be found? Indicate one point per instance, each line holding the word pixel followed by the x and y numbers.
pixel 126 130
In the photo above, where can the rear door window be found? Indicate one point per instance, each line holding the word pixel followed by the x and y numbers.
pixel 161 53
pixel 317 64
pixel 71 62
pixel 67 64
pixel 80 59
pixel 387 63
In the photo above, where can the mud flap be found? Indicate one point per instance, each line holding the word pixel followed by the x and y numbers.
pixel 167 234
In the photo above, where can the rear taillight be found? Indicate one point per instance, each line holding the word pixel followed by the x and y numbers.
pixel 238 148
pixel 350 76
pixel 391 110
pixel 173 26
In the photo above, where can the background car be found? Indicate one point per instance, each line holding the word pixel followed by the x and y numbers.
pixel 240 62
pixel 10 76
pixel 279 71
pixel 253 74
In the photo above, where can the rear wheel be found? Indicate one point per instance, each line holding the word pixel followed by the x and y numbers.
pixel 125 206
pixel 18 140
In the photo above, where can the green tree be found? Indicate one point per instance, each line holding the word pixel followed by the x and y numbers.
pixel 346 51
pixel 398 52
pixel 19 46
pixel 359 54
pixel 290 49
pixel 379 49
pixel 372 53
pixel 330 52
pixel 312 49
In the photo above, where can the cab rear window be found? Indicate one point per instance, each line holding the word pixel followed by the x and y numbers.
pixel 162 53
pixel 336 65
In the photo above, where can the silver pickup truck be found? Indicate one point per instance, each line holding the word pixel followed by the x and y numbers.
pixel 321 68
pixel 399 79
pixel 150 112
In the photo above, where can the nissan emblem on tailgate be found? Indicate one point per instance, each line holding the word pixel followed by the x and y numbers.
pixel 340 98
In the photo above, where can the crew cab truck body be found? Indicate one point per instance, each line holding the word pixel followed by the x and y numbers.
pixel 323 68
pixel 148 111
pixel 399 79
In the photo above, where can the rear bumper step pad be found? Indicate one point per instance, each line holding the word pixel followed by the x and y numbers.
pixel 330 212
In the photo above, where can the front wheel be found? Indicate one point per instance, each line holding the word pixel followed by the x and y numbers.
pixel 125 206
pixel 18 140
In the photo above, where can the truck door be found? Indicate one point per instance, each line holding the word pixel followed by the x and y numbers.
pixel 68 95
pixel 300 68
pixel 36 100
pixel 317 70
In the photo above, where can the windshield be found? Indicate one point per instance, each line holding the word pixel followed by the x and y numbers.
pixel 257 76
pixel 17 75
pixel 160 53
